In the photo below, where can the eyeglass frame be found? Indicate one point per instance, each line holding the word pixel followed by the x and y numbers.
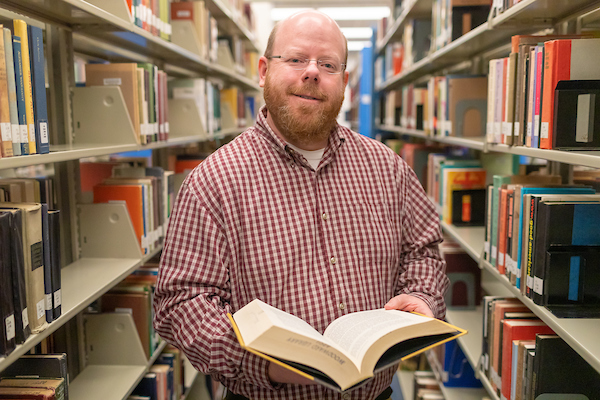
pixel 308 60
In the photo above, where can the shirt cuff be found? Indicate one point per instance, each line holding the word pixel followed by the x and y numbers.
pixel 256 370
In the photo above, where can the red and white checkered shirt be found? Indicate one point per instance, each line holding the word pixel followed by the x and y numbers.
pixel 254 220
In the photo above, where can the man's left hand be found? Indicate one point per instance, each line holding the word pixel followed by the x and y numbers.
pixel 406 302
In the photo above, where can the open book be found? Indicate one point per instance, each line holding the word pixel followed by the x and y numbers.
pixel 352 349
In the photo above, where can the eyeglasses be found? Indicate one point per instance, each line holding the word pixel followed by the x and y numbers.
pixel 301 63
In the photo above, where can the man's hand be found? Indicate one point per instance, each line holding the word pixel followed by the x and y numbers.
pixel 405 302
pixel 279 374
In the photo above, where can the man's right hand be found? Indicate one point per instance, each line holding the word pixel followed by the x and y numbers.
pixel 279 374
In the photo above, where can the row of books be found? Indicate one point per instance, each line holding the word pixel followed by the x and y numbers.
pixel 23 107
pixel 543 236
pixel 450 105
pixel 165 378
pixel 148 193
pixel 424 35
pixel 426 387
pixel 144 89
pixel 151 15
pixel 36 376
pixel 523 358
pixel 522 102
pixel 30 263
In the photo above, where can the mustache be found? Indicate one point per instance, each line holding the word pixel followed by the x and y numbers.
pixel 309 90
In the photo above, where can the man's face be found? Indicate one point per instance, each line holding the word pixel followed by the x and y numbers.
pixel 304 104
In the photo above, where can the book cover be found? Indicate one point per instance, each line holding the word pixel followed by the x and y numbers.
pixel 517 330
pixel 468 207
pixel 34 263
pixel 12 91
pixel 20 28
pixel 38 80
pixel 57 386
pixel 20 88
pixel 262 330
pixel 459 179
pixel 7 308
pixel 26 393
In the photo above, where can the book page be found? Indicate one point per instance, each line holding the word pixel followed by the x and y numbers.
pixel 292 323
pixel 356 332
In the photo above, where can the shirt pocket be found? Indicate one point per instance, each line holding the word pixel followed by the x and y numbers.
pixel 373 234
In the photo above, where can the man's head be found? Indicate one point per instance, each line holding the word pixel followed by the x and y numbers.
pixel 304 98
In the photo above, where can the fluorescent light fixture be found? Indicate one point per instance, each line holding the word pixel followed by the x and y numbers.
pixel 356 13
pixel 356 45
pixel 338 13
pixel 357 33
pixel 277 14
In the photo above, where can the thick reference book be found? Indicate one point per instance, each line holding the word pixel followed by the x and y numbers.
pixel 40 366
pixel 351 350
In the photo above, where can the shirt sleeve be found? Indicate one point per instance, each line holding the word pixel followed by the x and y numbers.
pixel 192 296
pixel 423 270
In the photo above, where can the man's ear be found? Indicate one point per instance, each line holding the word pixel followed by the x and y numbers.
pixel 262 70
pixel 346 76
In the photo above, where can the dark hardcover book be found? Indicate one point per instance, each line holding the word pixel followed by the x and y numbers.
pixel 562 223
pixel 40 365
pixel 147 386
pixel 466 18
pixel 572 281
pixel 38 80
pixel 559 369
pixel 510 271
pixel 22 112
pixel 55 261
pixel 7 309
pixel 468 207
pixel 22 328
pixel 47 270
pixel 528 377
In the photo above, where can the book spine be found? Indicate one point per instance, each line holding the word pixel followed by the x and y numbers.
pixel 55 260
pixel 36 47
pixel 21 107
pixel 539 76
pixel 558 67
pixel 12 92
pixel 21 31
pixel 5 129
pixel 539 261
pixel 530 237
pixel 47 271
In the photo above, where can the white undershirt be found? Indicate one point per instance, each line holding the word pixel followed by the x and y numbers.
pixel 312 156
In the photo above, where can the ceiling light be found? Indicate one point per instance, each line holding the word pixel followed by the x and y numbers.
pixel 357 33
pixel 356 45
pixel 356 13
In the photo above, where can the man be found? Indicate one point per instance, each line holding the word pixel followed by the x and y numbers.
pixel 301 213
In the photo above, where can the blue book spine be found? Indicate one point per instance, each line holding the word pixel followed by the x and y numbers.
pixel 12 92
pixel 20 95
pixel 40 108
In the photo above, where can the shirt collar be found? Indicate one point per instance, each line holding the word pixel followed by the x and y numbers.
pixel 337 137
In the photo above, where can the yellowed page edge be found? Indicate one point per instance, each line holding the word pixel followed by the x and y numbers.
pixel 263 355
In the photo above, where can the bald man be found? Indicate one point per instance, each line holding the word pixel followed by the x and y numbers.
pixel 301 213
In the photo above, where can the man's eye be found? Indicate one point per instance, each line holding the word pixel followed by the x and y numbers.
pixel 295 60
pixel 328 65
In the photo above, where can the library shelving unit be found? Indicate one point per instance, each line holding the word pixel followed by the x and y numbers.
pixel 98 243
pixel 470 52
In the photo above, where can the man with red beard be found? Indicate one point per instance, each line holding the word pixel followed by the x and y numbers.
pixel 301 213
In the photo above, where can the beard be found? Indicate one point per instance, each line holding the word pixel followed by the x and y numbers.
pixel 303 123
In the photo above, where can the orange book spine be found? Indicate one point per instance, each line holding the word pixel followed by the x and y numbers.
pixel 558 67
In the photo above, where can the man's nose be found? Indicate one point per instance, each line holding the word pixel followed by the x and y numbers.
pixel 312 71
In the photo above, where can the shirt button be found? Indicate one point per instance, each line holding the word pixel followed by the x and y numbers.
pixel 332 260
pixel 341 306
pixel 346 396
pixel 324 216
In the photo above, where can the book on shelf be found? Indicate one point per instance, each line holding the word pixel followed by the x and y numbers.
pixel 520 373
pixel 48 292
pixel 7 308
pixel 559 369
pixel 56 386
pixel 40 366
pixel 6 140
pixel 26 393
pixel 17 274
pixel 55 261
pixel 34 262
pixel 334 358
pixel 147 386
pixel 20 28
pixel 164 380
pixel 516 330
pixel 38 82
pixel 12 91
